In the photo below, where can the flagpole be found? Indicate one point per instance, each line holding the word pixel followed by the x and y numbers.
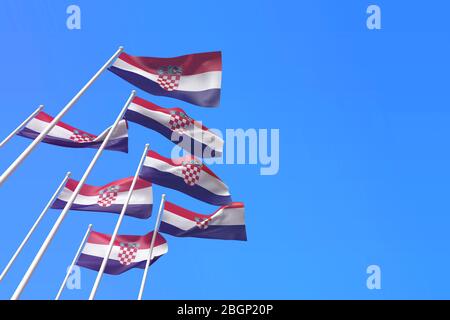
pixel 23 124
pixel 152 244
pixel 69 271
pixel 50 126
pixel 33 228
pixel 116 229
pixel 66 209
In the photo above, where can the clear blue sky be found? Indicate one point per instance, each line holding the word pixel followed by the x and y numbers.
pixel 364 161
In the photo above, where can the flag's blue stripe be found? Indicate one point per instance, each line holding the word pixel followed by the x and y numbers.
pixel 120 144
pixel 183 141
pixel 169 180
pixel 112 266
pixel 206 98
pixel 140 211
pixel 236 232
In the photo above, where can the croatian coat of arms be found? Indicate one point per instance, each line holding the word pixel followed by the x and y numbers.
pixel 106 197
pixel 127 253
pixel 169 77
pixel 79 137
pixel 179 121
pixel 202 223
pixel 191 172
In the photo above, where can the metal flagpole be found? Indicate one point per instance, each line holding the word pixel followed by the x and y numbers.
pixel 23 124
pixel 116 229
pixel 33 228
pixel 152 244
pixel 50 126
pixel 69 271
pixel 66 209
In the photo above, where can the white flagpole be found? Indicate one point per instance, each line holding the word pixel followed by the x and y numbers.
pixel 66 209
pixel 69 271
pixel 23 124
pixel 152 244
pixel 116 229
pixel 33 228
pixel 50 126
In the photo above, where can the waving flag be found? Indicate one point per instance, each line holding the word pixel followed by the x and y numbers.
pixel 110 198
pixel 226 223
pixel 67 136
pixel 177 126
pixel 187 175
pixel 128 252
pixel 195 78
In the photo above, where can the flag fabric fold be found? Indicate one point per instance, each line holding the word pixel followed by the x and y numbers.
pixel 187 175
pixel 177 126
pixel 227 223
pixel 194 78
pixel 128 252
pixel 67 136
pixel 109 198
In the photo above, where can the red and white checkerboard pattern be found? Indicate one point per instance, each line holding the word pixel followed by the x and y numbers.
pixel 127 253
pixel 202 224
pixel 169 82
pixel 179 122
pixel 107 196
pixel 191 174
pixel 81 138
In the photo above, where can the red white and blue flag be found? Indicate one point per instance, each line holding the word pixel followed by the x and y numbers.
pixel 227 223
pixel 194 78
pixel 109 198
pixel 177 126
pixel 67 136
pixel 128 252
pixel 187 175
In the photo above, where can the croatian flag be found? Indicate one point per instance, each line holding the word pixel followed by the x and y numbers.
pixel 227 223
pixel 177 126
pixel 67 136
pixel 195 78
pixel 187 175
pixel 109 198
pixel 128 252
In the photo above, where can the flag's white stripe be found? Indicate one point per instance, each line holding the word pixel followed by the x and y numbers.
pixel 207 137
pixel 229 217
pixel 200 82
pixel 139 196
pixel 121 131
pixel 57 131
pixel 177 221
pixel 206 181
pixel 197 82
pixel 62 133
pixel 99 250
pixel 226 217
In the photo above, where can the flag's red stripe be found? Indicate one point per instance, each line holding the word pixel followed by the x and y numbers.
pixel 169 206
pixel 192 63
pixel 151 106
pixel 125 185
pixel 47 118
pixel 143 241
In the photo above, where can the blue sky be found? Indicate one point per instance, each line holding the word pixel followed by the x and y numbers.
pixel 363 118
